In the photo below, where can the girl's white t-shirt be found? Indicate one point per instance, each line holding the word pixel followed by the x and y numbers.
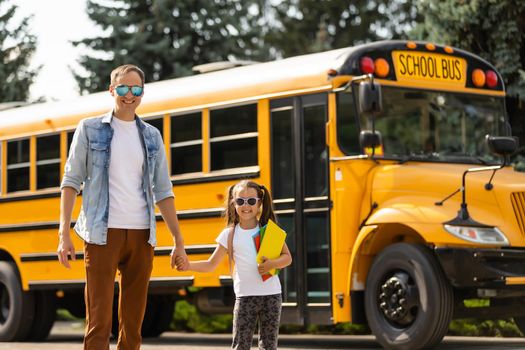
pixel 246 278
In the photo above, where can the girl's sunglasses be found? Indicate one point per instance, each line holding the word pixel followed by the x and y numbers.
pixel 122 90
pixel 241 201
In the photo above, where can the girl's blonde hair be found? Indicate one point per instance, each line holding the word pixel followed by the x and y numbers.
pixel 232 218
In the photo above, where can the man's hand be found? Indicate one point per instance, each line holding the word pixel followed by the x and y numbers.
pixel 179 259
pixel 65 247
pixel 265 266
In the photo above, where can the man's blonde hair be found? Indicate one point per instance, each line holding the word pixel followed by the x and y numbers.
pixel 126 68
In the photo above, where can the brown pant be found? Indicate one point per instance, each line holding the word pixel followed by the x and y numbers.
pixel 129 252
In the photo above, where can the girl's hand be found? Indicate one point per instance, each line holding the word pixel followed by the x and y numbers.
pixel 265 266
pixel 182 264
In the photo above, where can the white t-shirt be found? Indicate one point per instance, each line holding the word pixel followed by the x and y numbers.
pixel 246 278
pixel 127 202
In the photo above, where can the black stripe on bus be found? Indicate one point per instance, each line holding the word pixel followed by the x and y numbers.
pixel 216 178
pixel 153 283
pixel 164 251
pixel 198 214
pixel 30 197
pixel 196 180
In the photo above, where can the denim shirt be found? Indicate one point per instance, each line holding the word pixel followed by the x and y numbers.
pixel 88 164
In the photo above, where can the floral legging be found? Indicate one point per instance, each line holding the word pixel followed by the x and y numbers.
pixel 265 308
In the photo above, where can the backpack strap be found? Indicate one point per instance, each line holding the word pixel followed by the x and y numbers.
pixel 230 248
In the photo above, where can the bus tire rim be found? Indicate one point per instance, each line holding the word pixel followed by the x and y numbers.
pixel 398 299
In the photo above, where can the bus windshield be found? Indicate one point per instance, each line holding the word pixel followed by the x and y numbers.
pixel 434 126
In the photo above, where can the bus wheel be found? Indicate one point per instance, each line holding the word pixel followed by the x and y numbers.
pixel 159 314
pixel 157 318
pixel 408 300
pixel 520 322
pixel 45 314
pixel 16 306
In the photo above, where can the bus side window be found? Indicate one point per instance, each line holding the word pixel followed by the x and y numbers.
pixel 186 143
pixel 69 140
pixel 157 122
pixel 18 165
pixel 1 170
pixel 233 137
pixel 347 126
pixel 48 161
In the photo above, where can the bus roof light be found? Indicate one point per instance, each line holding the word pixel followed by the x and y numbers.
pixel 492 78
pixel 332 72
pixel 478 77
pixel 367 65
pixel 381 67
pixel 430 47
pixel 411 45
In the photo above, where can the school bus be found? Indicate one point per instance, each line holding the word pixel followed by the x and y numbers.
pixel 387 164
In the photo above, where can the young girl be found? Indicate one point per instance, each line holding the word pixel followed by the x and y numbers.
pixel 255 298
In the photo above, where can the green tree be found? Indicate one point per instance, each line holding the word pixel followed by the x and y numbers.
pixel 493 29
pixel 17 46
pixel 166 38
pixel 304 26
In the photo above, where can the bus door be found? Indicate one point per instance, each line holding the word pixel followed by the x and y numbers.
pixel 299 161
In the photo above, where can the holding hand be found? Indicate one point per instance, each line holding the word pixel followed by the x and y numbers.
pixel 182 264
pixel 179 259
pixel 265 266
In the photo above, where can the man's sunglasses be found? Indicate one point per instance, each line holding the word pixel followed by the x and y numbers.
pixel 122 90
pixel 241 201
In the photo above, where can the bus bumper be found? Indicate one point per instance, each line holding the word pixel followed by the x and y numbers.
pixel 492 268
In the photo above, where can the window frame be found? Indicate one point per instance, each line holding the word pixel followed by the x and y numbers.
pixel 233 137
pixel 18 165
pixel 48 161
pixel 194 142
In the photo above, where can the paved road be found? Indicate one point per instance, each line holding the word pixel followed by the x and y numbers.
pixel 68 336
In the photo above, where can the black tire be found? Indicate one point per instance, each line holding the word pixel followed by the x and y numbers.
pixel 157 318
pixel 159 314
pixel 16 306
pixel 45 315
pixel 520 322
pixel 408 300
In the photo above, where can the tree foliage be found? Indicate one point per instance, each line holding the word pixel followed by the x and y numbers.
pixel 493 29
pixel 304 26
pixel 17 46
pixel 166 38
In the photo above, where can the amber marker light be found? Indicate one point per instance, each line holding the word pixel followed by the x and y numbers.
pixel 430 46
pixel 411 45
pixel 492 78
pixel 448 49
pixel 478 77
pixel 331 72
pixel 381 67
pixel 367 65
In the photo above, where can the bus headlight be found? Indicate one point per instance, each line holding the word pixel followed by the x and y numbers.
pixel 482 235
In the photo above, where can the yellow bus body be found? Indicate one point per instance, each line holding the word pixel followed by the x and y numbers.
pixel 404 193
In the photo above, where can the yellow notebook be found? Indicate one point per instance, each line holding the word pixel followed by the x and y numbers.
pixel 272 243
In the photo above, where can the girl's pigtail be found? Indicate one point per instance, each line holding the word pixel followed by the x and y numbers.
pixel 267 206
pixel 230 213
pixel 232 220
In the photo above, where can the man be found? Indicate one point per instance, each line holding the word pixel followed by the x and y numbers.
pixel 121 162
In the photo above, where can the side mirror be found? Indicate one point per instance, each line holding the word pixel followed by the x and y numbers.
pixel 502 145
pixel 369 139
pixel 370 97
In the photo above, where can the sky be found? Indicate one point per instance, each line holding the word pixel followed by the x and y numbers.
pixel 56 23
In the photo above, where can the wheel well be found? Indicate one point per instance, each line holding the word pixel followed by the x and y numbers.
pixel 5 256
pixel 382 237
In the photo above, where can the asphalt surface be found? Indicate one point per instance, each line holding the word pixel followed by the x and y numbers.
pixel 68 336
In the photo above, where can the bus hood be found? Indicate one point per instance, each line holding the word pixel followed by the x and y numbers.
pixel 408 193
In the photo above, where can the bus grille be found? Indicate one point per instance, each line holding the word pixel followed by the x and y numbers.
pixel 518 204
